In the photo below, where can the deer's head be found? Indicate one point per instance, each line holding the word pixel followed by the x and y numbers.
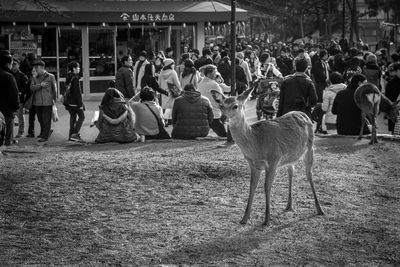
pixel 231 107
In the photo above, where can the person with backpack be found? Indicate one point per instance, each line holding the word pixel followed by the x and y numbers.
pixel 73 102
pixel 297 91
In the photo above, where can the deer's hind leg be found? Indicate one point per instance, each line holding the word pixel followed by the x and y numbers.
pixel 308 161
pixel 255 176
pixel 363 115
pixel 289 206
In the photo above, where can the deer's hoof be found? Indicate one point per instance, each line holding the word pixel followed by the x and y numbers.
pixel 266 223
pixel 288 209
pixel 243 221
pixel 320 212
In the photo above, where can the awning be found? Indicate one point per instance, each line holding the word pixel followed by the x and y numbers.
pixel 98 11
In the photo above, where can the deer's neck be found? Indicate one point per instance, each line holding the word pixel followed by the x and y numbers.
pixel 240 130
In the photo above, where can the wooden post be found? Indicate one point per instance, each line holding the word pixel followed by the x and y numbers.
pixel 233 47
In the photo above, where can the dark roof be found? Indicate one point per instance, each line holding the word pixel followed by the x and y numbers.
pixel 110 11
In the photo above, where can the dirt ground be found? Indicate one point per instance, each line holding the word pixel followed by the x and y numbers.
pixel 179 204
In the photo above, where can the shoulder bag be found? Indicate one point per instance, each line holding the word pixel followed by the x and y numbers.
pixel 162 133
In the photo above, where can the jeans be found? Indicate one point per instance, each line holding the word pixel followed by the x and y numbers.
pixel 74 124
pixel 32 114
pixel 9 131
pixel 44 116
pixel 21 120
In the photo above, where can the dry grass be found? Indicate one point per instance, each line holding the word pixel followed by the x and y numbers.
pixel 180 203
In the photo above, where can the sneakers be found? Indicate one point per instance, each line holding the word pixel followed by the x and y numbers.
pixel 18 136
pixel 76 138
pixel 42 140
pixel 226 144
pixel 30 135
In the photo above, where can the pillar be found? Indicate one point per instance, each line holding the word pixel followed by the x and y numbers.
pixel 85 61
pixel 200 38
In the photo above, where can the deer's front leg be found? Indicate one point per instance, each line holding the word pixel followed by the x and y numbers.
pixel 289 206
pixel 374 139
pixel 269 179
pixel 255 176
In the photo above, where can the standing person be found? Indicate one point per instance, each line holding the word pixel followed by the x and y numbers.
pixel 348 114
pixel 337 85
pixel 205 87
pixel 9 102
pixel 181 66
pixel 216 57
pixel 224 67
pixel 124 77
pixel 22 83
pixel 149 80
pixel 245 66
pixel 169 53
pixel 393 89
pixel 32 109
pixel 320 73
pixel 168 76
pixel 158 65
pixel 205 59
pixel 297 91
pixel 44 89
pixel 75 104
pixel 191 115
pixel 372 71
pixel 189 75
pixel 138 71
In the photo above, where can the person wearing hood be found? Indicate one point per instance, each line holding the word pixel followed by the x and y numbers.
pixel 337 85
pixel 189 74
pixel 168 76
pixel 372 71
pixel 348 114
pixel 138 71
pixel 116 118
pixel 192 115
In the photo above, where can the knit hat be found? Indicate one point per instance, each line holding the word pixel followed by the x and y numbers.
pixel 168 61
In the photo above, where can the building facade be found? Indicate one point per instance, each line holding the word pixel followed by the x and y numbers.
pixel 97 33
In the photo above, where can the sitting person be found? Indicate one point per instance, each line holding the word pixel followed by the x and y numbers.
pixel 115 122
pixel 348 114
pixel 149 116
pixel 191 115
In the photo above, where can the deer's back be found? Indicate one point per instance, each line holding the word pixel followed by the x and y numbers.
pixel 367 97
pixel 284 139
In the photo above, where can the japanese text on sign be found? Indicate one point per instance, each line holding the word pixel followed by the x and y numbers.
pixel 150 17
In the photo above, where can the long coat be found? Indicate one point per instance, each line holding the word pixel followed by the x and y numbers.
pixel 348 121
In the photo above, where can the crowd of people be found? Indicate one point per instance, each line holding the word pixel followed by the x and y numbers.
pixel 156 92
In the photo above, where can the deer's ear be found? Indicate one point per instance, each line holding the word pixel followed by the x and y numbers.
pixel 245 95
pixel 218 97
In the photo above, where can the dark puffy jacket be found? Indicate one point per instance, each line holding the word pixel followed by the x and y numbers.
pixel 191 116
pixel 9 102
pixel 225 70
pixel 297 93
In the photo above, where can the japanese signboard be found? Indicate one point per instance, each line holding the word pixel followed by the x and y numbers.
pixel 148 17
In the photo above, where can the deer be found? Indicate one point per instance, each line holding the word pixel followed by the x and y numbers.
pixel 369 99
pixel 269 144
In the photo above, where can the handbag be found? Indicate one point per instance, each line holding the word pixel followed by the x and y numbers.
pixel 175 92
pixel 54 114
pixel 162 133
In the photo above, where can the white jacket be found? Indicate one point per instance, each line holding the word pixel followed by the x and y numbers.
pixel 168 76
pixel 205 87
pixel 328 97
